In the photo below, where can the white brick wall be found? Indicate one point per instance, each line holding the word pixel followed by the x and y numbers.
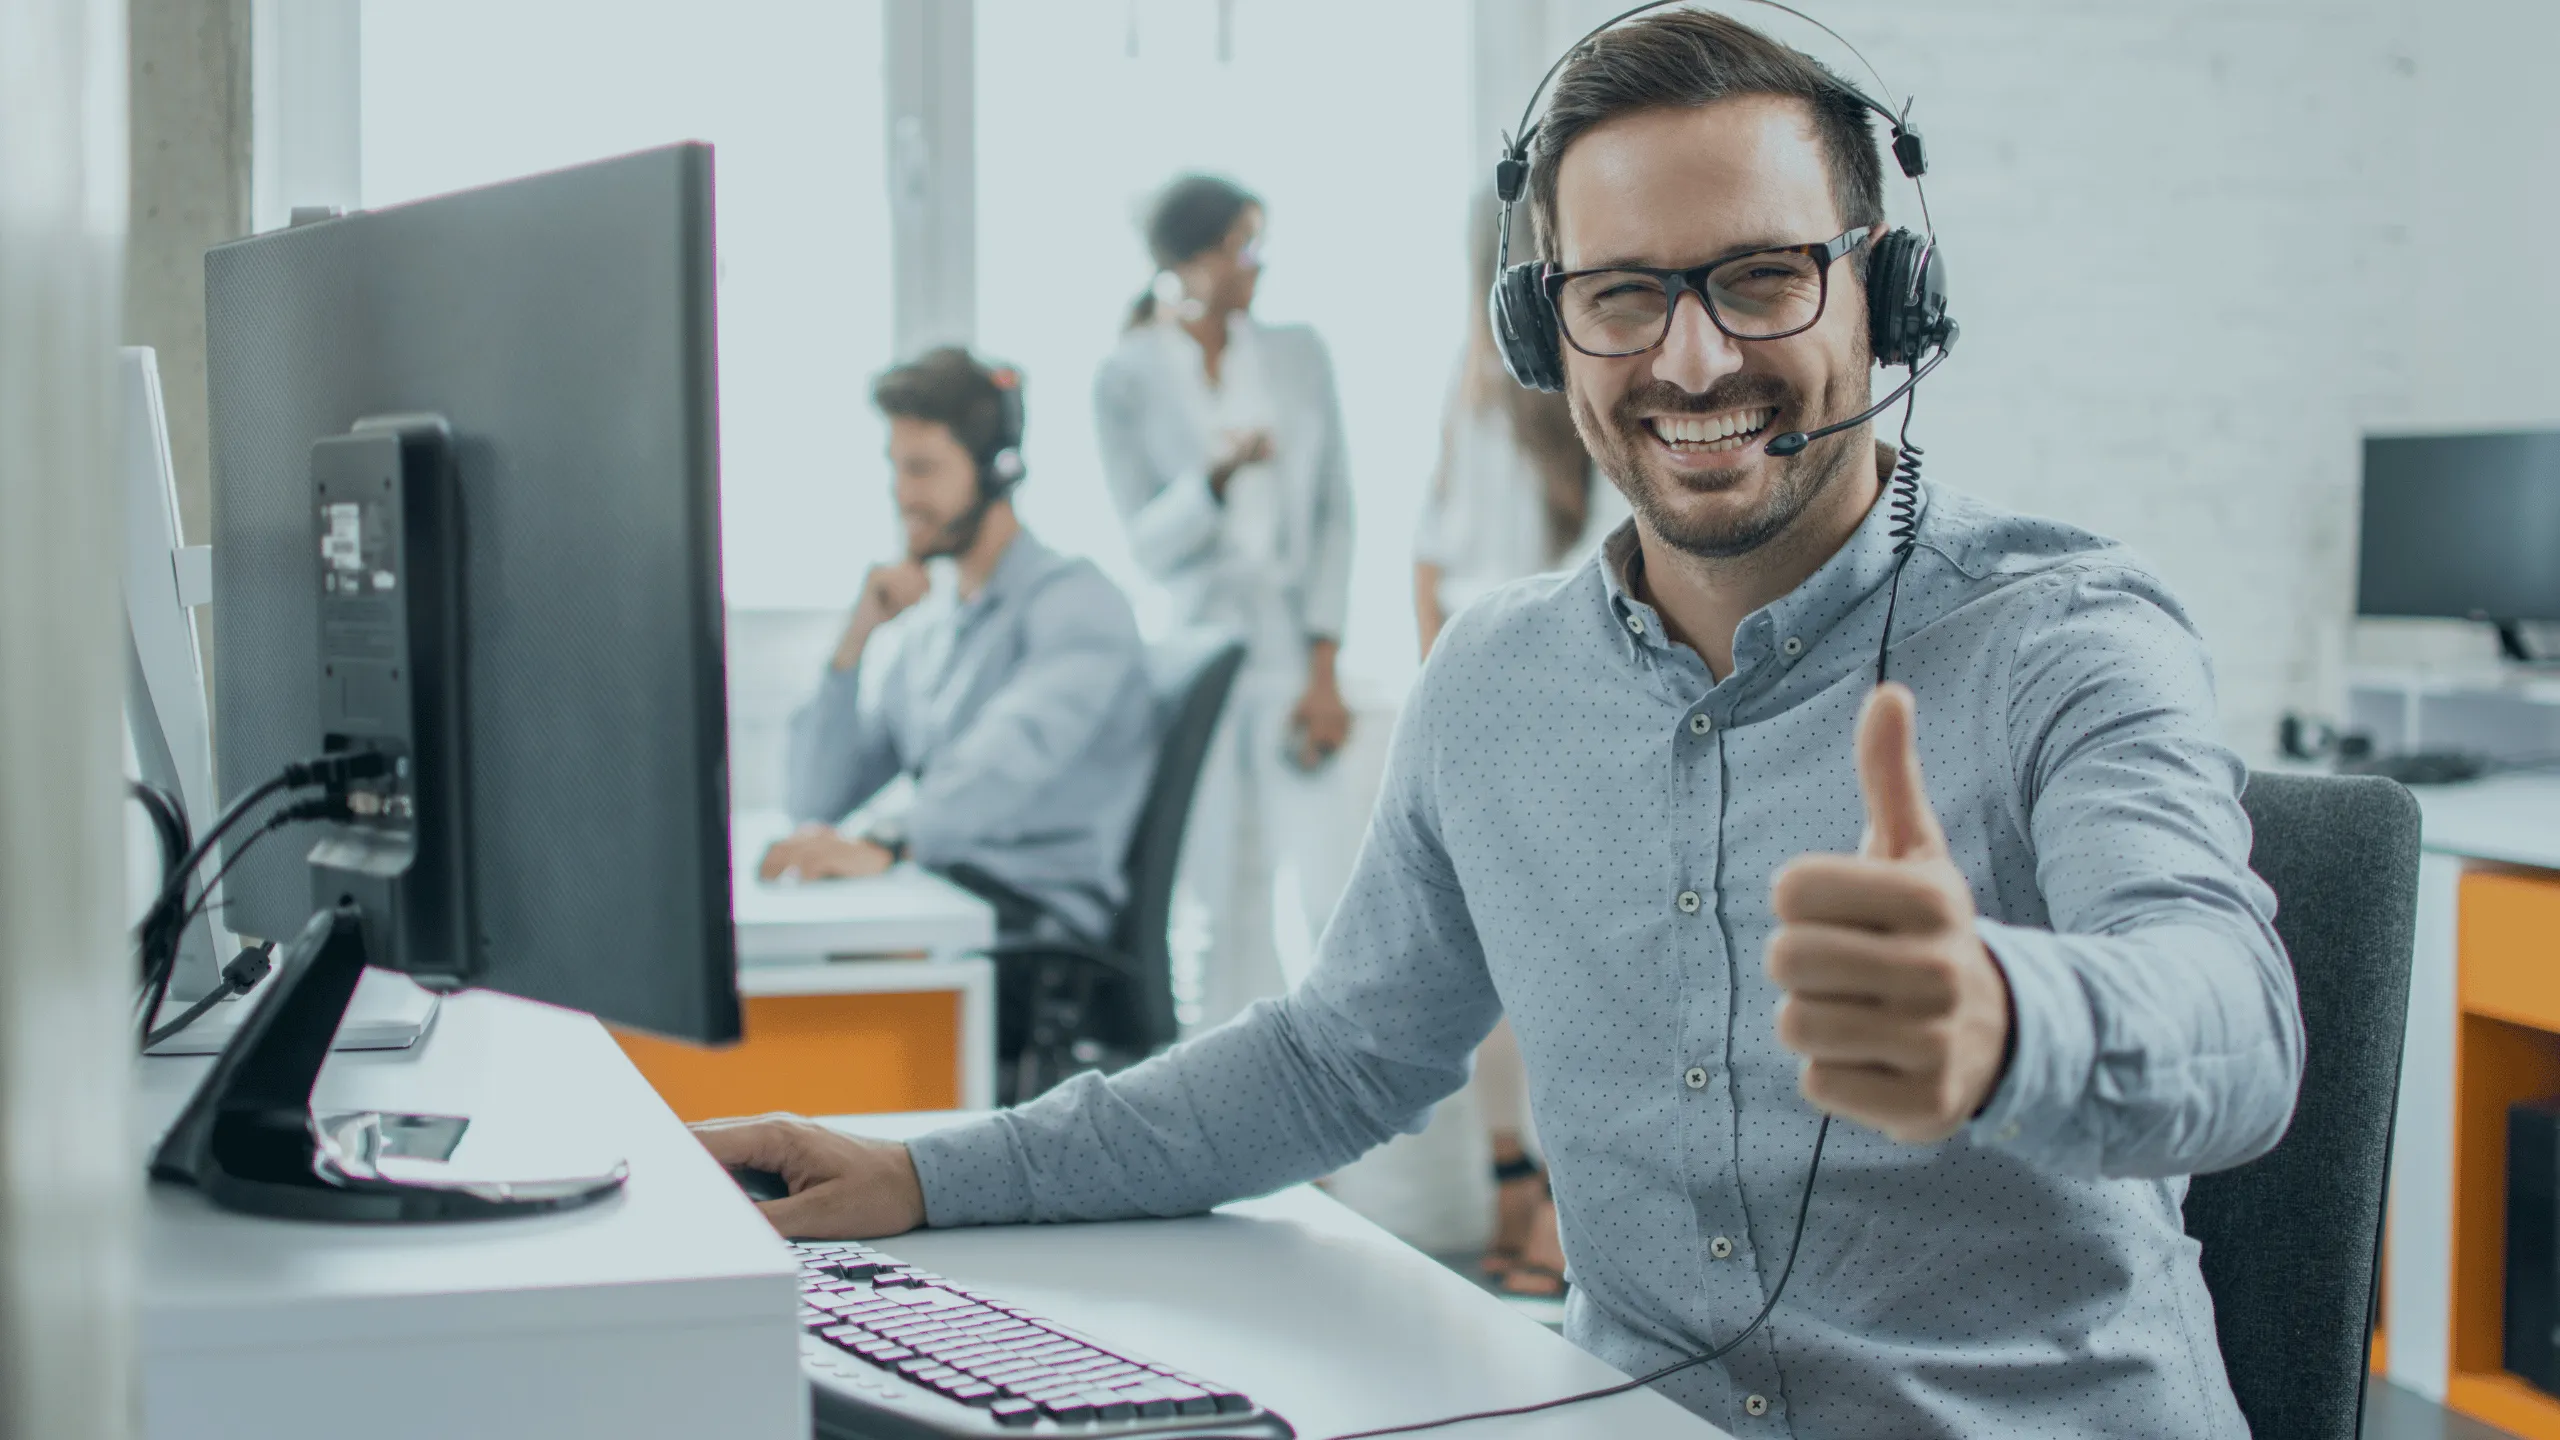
pixel 2198 248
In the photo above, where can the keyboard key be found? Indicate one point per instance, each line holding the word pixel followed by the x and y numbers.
pixel 1012 1411
pixel 1107 1406
pixel 1230 1403
pixel 971 1392
pixel 1068 1409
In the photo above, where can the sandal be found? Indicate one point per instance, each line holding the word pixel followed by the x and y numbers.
pixel 1520 1187
pixel 1539 1272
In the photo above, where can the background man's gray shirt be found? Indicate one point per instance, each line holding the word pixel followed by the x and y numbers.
pixel 1024 716
pixel 1563 777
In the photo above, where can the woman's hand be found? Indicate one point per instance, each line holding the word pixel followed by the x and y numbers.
pixel 1320 722
pixel 1236 450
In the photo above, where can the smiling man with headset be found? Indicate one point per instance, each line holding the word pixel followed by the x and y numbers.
pixel 1668 812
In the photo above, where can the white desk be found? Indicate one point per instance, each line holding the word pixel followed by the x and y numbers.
pixel 1314 1311
pixel 790 935
pixel 2511 820
pixel 664 1311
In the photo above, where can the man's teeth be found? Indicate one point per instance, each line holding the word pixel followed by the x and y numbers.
pixel 1727 431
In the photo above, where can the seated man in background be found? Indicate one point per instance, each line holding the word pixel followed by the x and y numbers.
pixel 1015 698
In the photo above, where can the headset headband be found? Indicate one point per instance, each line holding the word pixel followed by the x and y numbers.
pixel 1511 173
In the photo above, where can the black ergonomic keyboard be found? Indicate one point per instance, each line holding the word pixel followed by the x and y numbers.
pixel 894 1352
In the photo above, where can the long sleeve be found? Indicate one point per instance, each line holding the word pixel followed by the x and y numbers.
pixel 1289 1090
pixel 1173 518
pixel 840 750
pixel 2156 1027
pixel 1328 592
pixel 1081 659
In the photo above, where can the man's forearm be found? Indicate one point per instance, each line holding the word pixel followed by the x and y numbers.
pixel 1143 1143
pixel 2168 1050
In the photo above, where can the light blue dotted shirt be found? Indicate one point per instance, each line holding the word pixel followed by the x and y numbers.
pixel 1579 826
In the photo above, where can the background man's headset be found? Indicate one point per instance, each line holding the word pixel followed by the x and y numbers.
pixel 1000 463
pixel 1907 325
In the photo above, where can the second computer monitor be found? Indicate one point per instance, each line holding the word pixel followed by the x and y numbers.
pixel 2461 527
pixel 562 327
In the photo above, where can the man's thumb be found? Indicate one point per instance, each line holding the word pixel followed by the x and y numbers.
pixel 1900 824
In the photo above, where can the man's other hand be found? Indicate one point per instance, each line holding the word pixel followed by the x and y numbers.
pixel 888 591
pixel 842 1187
pixel 818 852
pixel 1899 1010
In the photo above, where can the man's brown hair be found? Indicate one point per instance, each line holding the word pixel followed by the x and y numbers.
pixel 1687 58
pixel 950 386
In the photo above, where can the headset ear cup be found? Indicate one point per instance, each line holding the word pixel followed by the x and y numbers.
pixel 1524 328
pixel 1889 298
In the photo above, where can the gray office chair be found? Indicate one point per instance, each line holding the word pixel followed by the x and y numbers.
pixel 2292 1240
pixel 1085 1003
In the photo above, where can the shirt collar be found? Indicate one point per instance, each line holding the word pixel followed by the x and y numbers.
pixel 1023 560
pixel 1805 614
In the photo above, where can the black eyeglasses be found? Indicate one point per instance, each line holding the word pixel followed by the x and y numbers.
pixel 1758 295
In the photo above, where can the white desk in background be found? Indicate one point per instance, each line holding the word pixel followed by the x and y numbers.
pixel 1292 1298
pixel 666 1310
pixel 907 911
pixel 906 932
pixel 2504 821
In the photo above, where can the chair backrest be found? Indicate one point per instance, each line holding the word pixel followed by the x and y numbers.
pixel 2291 1239
pixel 1191 674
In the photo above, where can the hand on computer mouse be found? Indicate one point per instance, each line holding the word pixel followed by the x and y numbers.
pixel 843 1187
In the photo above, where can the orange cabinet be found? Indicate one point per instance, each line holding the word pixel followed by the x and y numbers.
pixel 2506 1048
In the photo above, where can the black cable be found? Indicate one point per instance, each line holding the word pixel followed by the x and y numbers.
pixel 333 771
pixel 326 807
pixel 1804 1207
pixel 156 941
pixel 238 978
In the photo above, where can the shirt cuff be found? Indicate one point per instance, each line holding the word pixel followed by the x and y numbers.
pixel 972 1174
pixel 2053 1043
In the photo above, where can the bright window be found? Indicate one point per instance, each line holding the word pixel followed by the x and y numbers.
pixel 1349 118
pixel 463 92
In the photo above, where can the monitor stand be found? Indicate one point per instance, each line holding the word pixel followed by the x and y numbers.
pixel 251 1142
pixel 2512 644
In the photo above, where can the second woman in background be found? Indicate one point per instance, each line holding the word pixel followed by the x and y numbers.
pixel 1222 442
pixel 1514 495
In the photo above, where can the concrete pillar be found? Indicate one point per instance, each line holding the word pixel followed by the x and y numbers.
pixel 70 1175
pixel 190 68
pixel 931 84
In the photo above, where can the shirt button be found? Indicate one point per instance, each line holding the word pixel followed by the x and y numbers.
pixel 1721 1248
pixel 1793 646
pixel 1688 902
pixel 2007 1133
pixel 1756 1404
pixel 1700 724
pixel 1635 623
pixel 1696 1079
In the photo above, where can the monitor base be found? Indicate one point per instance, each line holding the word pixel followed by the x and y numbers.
pixel 2512 645
pixel 249 1140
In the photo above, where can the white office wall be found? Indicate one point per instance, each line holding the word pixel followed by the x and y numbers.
pixel 70 1177
pixel 464 92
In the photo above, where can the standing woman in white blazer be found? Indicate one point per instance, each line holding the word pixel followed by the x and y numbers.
pixel 1222 443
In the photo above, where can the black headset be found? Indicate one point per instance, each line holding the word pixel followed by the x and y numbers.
pixel 1905 273
pixel 1000 466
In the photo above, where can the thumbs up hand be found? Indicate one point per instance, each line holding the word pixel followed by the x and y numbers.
pixel 1897 1007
